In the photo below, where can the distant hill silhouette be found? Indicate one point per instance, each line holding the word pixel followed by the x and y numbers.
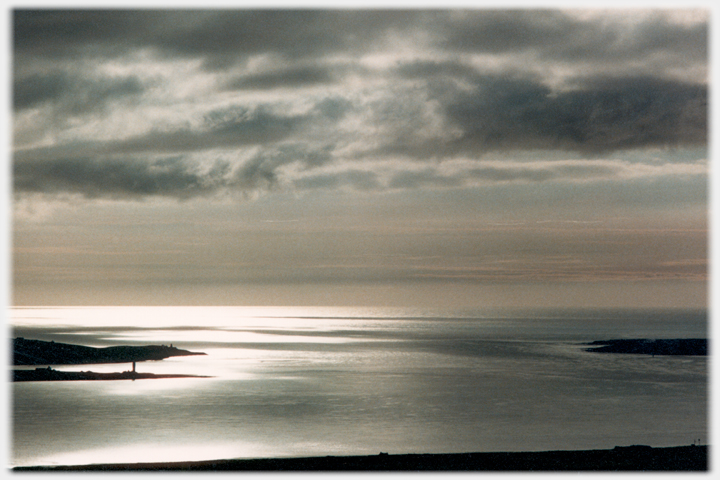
pixel 38 352
pixel 676 346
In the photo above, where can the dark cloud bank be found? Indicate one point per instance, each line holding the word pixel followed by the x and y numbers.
pixel 229 36
pixel 598 116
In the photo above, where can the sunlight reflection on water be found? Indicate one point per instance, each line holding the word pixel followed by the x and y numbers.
pixel 223 336
pixel 162 317
pixel 327 381
pixel 148 453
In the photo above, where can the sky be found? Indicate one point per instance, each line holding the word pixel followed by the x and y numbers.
pixel 416 157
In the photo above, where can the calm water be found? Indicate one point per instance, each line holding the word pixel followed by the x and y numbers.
pixel 332 381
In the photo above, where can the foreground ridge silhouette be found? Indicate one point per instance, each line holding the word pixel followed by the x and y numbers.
pixel 632 458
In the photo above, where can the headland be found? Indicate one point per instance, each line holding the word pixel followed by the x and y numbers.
pixel 39 352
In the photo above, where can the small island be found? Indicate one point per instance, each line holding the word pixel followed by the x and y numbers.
pixel 38 352
pixel 675 346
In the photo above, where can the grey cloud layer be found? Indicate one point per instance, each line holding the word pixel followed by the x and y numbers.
pixel 123 178
pixel 320 99
pixel 221 37
pixel 231 34
pixel 560 35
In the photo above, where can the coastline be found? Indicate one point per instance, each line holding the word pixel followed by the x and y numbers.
pixel 631 458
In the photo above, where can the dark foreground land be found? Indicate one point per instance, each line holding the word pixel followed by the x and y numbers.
pixel 38 352
pixel 676 346
pixel 633 458
pixel 50 375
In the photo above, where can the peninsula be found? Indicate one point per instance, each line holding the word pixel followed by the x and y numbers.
pixel 38 352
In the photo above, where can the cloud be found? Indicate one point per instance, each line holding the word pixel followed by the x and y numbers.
pixel 225 38
pixel 73 93
pixel 221 37
pixel 119 178
pixel 70 33
pixel 289 77
pixel 37 89
pixel 180 176
pixel 219 99
pixel 598 116
pixel 294 167
pixel 224 128
pixel 432 69
pixel 467 113
pixel 174 177
pixel 569 35
pixel 497 31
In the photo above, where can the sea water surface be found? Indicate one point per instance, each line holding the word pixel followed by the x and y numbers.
pixel 302 381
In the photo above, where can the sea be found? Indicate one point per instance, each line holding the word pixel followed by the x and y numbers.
pixel 317 381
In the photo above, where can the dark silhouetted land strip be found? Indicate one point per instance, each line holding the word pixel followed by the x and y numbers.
pixel 633 458
pixel 677 346
pixel 50 375
pixel 38 352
